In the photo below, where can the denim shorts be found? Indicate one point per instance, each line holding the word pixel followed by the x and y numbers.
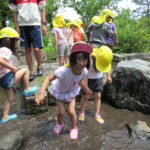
pixel 6 81
pixel 63 49
pixel 32 36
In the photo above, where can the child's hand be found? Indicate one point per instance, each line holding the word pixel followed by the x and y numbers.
pixel 39 100
pixel 14 70
pixel 109 80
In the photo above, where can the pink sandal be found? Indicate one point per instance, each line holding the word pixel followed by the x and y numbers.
pixel 81 117
pixel 58 128
pixel 99 119
pixel 74 134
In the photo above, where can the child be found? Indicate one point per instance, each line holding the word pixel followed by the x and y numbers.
pixel 9 74
pixel 60 36
pixel 101 59
pixel 78 32
pixel 99 30
pixel 66 86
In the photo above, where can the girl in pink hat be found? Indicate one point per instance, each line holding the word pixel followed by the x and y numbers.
pixel 66 83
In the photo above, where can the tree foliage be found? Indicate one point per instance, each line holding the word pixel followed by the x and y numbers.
pixel 5 13
pixel 88 8
pixel 51 8
pixel 133 34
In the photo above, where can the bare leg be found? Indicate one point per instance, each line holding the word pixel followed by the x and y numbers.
pixel 83 102
pixel 66 58
pixel 97 102
pixel 38 56
pixel 72 114
pixel 61 112
pixel 61 60
pixel 28 53
pixel 24 75
pixel 10 96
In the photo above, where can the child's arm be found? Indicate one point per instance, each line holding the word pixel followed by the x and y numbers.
pixel 116 37
pixel 68 35
pixel 84 85
pixel 4 63
pixel 85 37
pixel 41 95
pixel 109 79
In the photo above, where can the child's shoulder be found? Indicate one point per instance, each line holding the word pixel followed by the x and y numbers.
pixel 63 68
pixel 4 50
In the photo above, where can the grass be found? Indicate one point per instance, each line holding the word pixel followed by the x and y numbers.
pixel 49 47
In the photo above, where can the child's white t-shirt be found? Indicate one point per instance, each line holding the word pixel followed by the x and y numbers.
pixel 66 85
pixel 7 55
pixel 94 74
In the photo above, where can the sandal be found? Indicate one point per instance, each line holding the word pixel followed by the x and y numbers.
pixel 58 128
pixel 74 134
pixel 81 117
pixel 99 119
pixel 31 90
pixel 10 117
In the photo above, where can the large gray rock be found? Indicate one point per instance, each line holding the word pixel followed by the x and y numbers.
pixel 119 57
pixel 130 88
pixel 11 141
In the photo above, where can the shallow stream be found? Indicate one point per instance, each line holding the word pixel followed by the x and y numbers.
pixel 112 135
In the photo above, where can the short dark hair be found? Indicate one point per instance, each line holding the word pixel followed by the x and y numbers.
pixel 85 55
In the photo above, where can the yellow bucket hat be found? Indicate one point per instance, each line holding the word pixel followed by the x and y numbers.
pixel 103 56
pixel 102 18
pixel 75 24
pixel 81 24
pixel 8 32
pixel 69 23
pixel 94 19
pixel 58 21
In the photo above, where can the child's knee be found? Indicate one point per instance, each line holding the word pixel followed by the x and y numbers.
pixel 85 97
pixel 97 98
pixel 71 112
pixel 25 70
pixel 61 113
pixel 10 99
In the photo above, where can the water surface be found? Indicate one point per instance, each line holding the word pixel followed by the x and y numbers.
pixel 112 135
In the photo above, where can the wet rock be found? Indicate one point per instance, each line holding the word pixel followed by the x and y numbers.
pixel 32 108
pixel 11 141
pixel 51 99
pixel 130 86
pixel 139 129
pixel 52 118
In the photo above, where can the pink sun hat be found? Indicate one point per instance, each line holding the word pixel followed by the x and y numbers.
pixel 83 47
